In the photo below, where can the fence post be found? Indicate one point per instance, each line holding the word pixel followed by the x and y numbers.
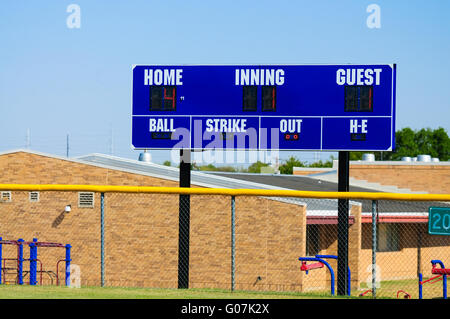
pixel 20 262
pixel 102 237
pixel 1 260
pixel 68 260
pixel 342 230
pixel 233 242
pixel 374 247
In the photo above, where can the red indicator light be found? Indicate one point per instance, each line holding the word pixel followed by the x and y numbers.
pixel 291 136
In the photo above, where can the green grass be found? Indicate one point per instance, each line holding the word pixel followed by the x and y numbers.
pixel 53 292
pixel 389 288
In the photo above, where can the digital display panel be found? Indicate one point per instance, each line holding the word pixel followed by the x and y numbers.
pixel 250 100
pixel 263 107
pixel 358 98
pixel 269 98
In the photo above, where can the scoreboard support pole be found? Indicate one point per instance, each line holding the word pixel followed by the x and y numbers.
pixel 184 221
pixel 342 231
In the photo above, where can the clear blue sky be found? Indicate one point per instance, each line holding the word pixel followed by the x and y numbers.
pixel 56 81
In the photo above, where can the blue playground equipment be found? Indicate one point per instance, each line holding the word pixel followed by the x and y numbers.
pixel 319 264
pixel 441 274
pixel 33 271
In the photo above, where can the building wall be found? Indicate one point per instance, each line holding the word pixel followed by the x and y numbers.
pixel 416 250
pixel 141 230
pixel 307 172
pixel 320 279
pixel 428 178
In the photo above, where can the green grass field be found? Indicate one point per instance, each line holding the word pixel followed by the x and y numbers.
pixel 53 292
pixel 387 290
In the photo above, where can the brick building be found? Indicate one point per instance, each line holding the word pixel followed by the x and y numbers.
pixel 420 177
pixel 141 230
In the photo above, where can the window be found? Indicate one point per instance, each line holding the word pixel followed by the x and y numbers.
pixel 358 98
pixel 388 237
pixel 5 196
pixel 269 98
pixel 312 240
pixel 85 200
pixel 163 98
pixel 34 196
pixel 250 99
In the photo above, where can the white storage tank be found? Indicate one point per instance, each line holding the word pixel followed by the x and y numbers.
pixel 367 157
pixel 423 158
pixel 145 157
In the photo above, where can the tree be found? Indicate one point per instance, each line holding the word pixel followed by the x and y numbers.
pixel 256 167
pixel 319 163
pixel 408 142
pixel 288 166
pixel 441 144
pixel 167 163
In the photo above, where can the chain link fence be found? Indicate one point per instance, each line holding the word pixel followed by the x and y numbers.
pixel 263 243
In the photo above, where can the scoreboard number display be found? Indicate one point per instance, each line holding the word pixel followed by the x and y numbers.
pixel 264 107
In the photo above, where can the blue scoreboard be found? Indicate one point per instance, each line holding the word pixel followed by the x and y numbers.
pixel 264 107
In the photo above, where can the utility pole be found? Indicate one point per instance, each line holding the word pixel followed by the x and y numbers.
pixel 67 145
pixel 111 141
pixel 28 142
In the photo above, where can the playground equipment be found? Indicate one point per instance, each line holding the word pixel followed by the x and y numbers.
pixel 441 274
pixel 319 264
pixel 405 294
pixel 18 270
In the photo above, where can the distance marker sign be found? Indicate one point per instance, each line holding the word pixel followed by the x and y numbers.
pixel 264 107
pixel 439 221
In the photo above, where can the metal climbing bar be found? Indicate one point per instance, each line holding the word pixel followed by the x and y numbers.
pixel 304 259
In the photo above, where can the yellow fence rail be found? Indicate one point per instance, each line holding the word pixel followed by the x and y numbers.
pixel 225 191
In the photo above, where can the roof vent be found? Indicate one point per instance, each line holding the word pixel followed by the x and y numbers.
pixel 406 159
pixel 145 157
pixel 423 158
pixel 368 157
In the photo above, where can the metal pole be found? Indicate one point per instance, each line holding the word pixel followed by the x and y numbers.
pixel 102 237
pixel 1 261
pixel 233 242
pixel 67 145
pixel 184 221
pixel 20 262
pixel 343 206
pixel 374 247
pixel 420 286
pixel 33 258
pixel 68 260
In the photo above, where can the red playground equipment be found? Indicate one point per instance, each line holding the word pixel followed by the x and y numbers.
pixel 441 274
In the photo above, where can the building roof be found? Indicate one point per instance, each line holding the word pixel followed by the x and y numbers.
pixel 299 182
pixel 325 209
